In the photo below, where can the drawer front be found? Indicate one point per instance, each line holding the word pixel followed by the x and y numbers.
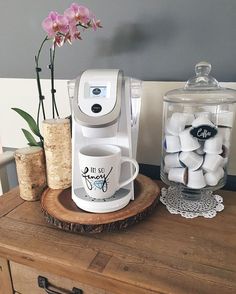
pixel 25 281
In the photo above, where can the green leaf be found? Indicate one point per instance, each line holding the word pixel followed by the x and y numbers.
pixel 38 144
pixel 30 120
pixel 30 138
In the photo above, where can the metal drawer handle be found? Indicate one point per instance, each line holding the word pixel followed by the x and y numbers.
pixel 43 283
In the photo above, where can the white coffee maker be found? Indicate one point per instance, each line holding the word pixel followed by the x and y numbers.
pixel 105 108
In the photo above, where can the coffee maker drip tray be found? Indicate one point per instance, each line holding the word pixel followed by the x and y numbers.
pixel 119 200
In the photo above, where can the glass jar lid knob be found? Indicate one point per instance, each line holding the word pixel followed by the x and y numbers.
pixel 202 68
pixel 202 78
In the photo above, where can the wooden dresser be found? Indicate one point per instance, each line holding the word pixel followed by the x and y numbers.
pixel 163 254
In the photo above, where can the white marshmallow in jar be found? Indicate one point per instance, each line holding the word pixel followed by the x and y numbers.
pixel 197 127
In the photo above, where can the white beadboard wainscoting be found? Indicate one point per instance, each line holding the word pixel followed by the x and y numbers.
pixel 22 93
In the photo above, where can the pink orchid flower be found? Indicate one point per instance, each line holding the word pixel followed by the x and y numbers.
pixel 55 23
pixel 77 14
pixel 59 40
pixel 73 34
pixel 96 24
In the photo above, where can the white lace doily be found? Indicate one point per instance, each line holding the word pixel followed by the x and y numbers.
pixel 207 206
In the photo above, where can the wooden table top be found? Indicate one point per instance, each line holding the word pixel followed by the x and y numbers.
pixel 162 254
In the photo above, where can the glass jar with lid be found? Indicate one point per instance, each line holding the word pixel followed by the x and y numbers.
pixel 197 128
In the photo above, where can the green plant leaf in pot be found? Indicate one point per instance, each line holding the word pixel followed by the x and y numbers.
pixel 30 138
pixel 30 120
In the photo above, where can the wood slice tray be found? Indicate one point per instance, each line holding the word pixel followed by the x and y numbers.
pixel 60 210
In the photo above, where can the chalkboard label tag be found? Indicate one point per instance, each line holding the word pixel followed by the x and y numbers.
pixel 203 132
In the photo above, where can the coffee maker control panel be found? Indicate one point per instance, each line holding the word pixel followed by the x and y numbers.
pixel 96 102
pixel 97 93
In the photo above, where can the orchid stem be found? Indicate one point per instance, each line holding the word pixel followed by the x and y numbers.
pixel 53 90
pixel 38 70
pixel 41 138
pixel 40 48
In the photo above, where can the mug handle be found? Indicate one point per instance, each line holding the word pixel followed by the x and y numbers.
pixel 135 163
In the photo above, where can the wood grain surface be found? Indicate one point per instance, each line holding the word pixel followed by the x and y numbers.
pixel 164 253
pixel 60 210
pixel 10 201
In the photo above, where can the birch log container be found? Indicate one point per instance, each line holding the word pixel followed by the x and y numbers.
pixel 31 172
pixel 57 147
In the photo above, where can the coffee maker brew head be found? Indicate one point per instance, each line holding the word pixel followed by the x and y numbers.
pixel 96 104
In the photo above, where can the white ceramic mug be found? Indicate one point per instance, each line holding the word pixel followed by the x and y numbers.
pixel 100 167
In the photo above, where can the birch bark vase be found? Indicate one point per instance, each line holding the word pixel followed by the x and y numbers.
pixel 57 147
pixel 31 172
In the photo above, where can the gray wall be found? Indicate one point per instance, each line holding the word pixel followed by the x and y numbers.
pixel 151 39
